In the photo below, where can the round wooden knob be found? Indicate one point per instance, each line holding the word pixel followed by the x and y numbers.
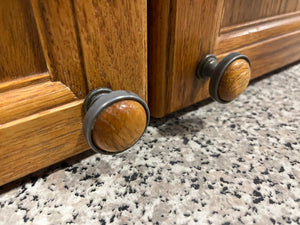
pixel 114 120
pixel 228 78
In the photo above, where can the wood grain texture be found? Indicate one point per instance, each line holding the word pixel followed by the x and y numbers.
pixel 161 24
pixel 39 140
pixel 234 81
pixel 20 50
pixel 192 28
pixel 266 31
pixel 25 101
pixel 24 81
pixel 41 121
pixel 61 45
pixel 40 125
pixel 242 11
pixel 271 54
pixel 257 31
pixel 160 27
pixel 119 126
pixel 113 37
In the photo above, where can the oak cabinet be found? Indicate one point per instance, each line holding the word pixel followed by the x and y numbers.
pixel 182 32
pixel 52 53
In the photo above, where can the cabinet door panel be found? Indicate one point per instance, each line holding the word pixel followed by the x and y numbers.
pixel 56 24
pixel 113 37
pixel 87 44
pixel 265 30
pixel 90 44
pixel 245 11
pixel 183 32
pixel 180 34
pixel 20 50
pixel 39 140
pixel 236 37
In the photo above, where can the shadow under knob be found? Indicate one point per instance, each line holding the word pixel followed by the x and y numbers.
pixel 114 120
pixel 228 78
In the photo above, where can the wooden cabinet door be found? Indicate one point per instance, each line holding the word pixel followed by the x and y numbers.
pixel 52 53
pixel 182 32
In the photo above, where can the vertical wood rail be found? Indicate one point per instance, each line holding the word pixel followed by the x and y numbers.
pixel 61 45
pixel 113 37
pixel 185 31
pixel 20 49
pixel 90 44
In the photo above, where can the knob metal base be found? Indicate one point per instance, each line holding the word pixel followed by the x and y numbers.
pixel 93 96
pixel 208 67
pixel 100 99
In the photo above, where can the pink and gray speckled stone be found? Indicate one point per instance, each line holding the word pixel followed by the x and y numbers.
pixel 207 164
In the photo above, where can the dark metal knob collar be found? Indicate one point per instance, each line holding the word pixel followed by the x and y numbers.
pixel 99 99
pixel 209 67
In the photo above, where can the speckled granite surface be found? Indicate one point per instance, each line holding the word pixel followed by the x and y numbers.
pixel 208 164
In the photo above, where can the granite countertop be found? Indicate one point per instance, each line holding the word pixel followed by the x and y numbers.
pixel 207 164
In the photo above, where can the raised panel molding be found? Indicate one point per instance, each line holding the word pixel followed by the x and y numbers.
pixel 241 35
pixel 41 124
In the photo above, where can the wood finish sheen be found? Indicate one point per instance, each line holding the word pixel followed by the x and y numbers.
pixel 119 126
pixel 250 33
pixel 86 44
pixel 57 136
pixel 242 11
pixel 20 50
pixel 160 30
pixel 267 31
pixel 57 28
pixel 23 82
pixel 91 44
pixel 40 132
pixel 113 37
pixel 180 34
pixel 186 57
pixel 271 54
pixel 186 37
pixel 183 32
pixel 234 81
pixel 15 104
